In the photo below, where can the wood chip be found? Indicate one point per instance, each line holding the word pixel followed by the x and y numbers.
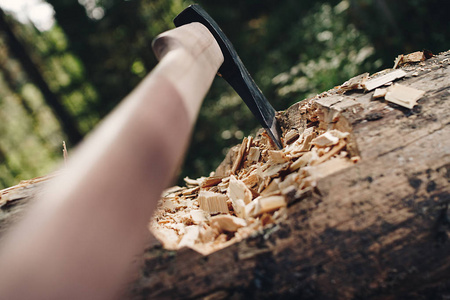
pixel 240 195
pixel 307 142
pixel 227 223
pixel 240 156
pixel 272 188
pixel 336 149
pixel 267 204
pixel 355 83
pixel 329 167
pixel 403 95
pixel 252 179
pixel 168 237
pixel 277 157
pixel 191 191
pixel 253 154
pixel 379 93
pixel 274 170
pixel 213 202
pixel 206 233
pixel 212 181
pixel 193 182
pixel 384 79
pixel 189 237
pixel 339 134
pixel 325 140
pixel 238 190
pixel 414 57
pixel 256 170
pixel 291 136
pixel 306 159
pixel 198 216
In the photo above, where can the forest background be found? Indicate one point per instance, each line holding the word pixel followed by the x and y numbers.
pixel 60 76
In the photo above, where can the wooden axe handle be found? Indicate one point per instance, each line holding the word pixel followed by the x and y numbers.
pixel 189 59
pixel 81 237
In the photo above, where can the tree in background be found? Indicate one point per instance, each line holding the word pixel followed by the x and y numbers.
pixel 396 26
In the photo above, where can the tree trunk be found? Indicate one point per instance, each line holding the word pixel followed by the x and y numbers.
pixel 67 121
pixel 376 230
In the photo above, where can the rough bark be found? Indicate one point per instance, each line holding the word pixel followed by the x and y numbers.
pixel 379 229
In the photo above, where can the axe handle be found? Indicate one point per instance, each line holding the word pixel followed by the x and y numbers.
pixel 82 236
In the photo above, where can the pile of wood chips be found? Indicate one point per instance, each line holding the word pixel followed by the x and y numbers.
pixel 253 191
pixel 255 183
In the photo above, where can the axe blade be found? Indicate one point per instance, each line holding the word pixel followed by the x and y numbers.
pixel 234 71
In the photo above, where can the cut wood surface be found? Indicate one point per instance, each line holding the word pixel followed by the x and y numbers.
pixel 371 220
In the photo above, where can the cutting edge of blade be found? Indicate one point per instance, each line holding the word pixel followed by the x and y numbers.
pixel 273 133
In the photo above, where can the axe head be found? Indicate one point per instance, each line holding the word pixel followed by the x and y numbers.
pixel 234 71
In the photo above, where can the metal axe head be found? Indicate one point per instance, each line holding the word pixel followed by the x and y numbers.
pixel 234 71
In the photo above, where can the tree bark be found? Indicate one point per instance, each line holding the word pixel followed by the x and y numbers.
pixel 379 229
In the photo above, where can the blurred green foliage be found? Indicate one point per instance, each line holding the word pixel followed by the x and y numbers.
pixel 99 50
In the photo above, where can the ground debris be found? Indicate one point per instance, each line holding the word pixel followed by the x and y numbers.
pixel 418 56
pixel 355 83
pixel 403 95
pixel 384 79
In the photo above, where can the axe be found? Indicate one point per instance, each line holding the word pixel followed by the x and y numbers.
pixel 234 71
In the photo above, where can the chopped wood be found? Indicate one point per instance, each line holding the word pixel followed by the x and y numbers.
pixel 238 190
pixel 306 146
pixel 291 136
pixel 384 79
pixel 304 160
pixel 290 180
pixel 253 154
pixel 206 234
pixel 211 181
pixel 267 204
pixel 189 238
pixel 403 95
pixel 329 167
pixel 213 203
pixel 252 179
pixel 18 191
pixel 336 149
pixel 168 237
pixel 414 57
pixel 379 93
pixel 251 187
pixel 198 216
pixel 272 188
pixel 277 157
pixel 355 83
pixel 193 182
pixel 274 170
pixel 227 223
pixel 240 195
pixel 240 156
pixel 191 192
pixel 339 134
pixel 325 140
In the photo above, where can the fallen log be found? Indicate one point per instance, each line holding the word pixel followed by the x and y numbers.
pixel 377 229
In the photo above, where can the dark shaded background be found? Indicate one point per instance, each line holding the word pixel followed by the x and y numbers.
pixel 57 84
